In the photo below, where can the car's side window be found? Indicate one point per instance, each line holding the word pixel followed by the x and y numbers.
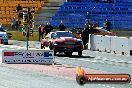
pixel 54 36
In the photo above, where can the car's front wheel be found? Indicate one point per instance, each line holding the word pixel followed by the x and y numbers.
pixel 6 43
pixel 68 53
pixel 51 48
pixel 80 53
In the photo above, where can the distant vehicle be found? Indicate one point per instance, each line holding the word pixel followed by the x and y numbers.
pixel 96 31
pixel 63 41
pixel 102 31
pixel 3 36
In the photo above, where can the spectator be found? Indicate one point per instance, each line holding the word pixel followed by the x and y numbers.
pixel 96 1
pixel 62 26
pixel 91 29
pixel 109 1
pixel 85 36
pixel 41 31
pixel 96 24
pixel 20 16
pixel 13 24
pixel 48 28
pixel 18 23
pixel 107 25
pixel 19 8
pixel 20 12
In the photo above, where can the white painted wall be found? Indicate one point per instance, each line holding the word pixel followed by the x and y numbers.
pixel 113 44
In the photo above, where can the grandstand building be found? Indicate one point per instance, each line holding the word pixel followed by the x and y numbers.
pixel 72 13
pixel 75 14
pixel 8 9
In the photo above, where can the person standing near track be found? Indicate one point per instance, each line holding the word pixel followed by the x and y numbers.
pixel 41 31
pixel 62 26
pixel 107 25
pixel 85 36
pixel 48 28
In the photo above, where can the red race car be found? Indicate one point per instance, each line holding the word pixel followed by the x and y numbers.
pixel 62 41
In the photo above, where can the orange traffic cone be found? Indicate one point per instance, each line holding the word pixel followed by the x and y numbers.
pixel 80 71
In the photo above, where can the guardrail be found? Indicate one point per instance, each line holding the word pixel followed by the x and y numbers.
pixel 112 44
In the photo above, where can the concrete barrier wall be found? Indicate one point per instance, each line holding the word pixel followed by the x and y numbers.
pixel 119 45
pixel 130 45
pixel 113 44
pixel 106 43
pixel 94 42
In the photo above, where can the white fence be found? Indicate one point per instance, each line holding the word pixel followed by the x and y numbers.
pixel 113 44
pixel 28 56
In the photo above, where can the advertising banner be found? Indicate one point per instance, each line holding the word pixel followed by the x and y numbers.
pixel 28 56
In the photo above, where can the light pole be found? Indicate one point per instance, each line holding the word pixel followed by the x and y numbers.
pixel 28 25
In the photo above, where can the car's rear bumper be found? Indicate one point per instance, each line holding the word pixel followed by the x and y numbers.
pixel 68 49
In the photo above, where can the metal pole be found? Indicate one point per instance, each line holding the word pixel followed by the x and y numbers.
pixel 27 41
pixel 28 27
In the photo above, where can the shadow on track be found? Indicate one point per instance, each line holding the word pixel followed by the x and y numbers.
pixel 73 56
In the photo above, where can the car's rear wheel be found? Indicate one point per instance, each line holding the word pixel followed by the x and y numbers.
pixel 51 48
pixel 80 53
pixel 55 53
pixel 6 43
pixel 68 53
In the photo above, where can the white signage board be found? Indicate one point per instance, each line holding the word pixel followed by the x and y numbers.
pixel 28 56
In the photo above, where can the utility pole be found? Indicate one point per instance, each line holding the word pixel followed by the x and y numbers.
pixel 28 26
pixel 28 21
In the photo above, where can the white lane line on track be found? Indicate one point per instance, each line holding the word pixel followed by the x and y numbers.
pixel 65 58
pixel 104 59
pixel 96 51
pixel 72 58
pixel 87 60
pixel 112 87
pixel 106 86
pixel 130 66
pixel 103 85
pixel 103 52
pixel 81 59
pixel 94 61
pixel 99 57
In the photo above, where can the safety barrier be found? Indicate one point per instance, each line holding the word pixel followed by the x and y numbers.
pixel 119 45
pixel 113 44
pixel 28 56
pixel 130 45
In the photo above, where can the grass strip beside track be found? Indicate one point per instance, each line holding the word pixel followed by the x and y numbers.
pixel 19 36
